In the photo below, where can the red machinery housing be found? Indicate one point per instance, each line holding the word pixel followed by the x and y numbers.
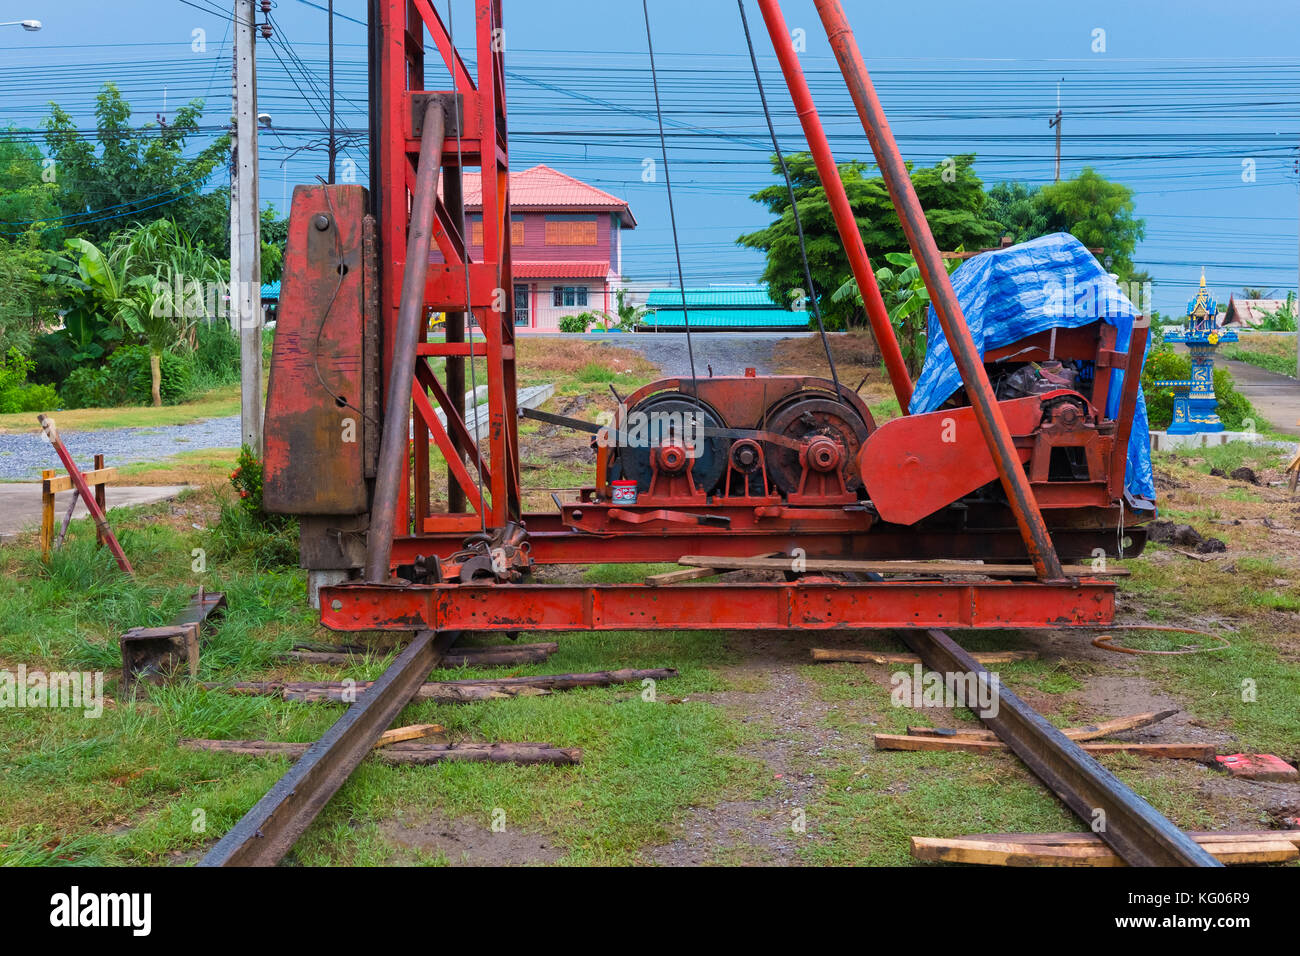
pixel 730 466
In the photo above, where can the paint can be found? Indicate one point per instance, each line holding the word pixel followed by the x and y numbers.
pixel 624 492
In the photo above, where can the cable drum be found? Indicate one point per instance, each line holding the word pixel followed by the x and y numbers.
pixel 808 415
pixel 665 419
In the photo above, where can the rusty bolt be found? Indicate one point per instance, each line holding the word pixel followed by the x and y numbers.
pixel 321 222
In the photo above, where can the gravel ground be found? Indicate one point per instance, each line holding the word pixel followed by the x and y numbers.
pixel 730 353
pixel 23 456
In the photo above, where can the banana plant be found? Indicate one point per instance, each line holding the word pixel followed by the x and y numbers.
pixel 907 301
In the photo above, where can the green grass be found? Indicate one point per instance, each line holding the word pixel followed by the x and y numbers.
pixel 1275 353
pixel 218 403
pixel 1281 364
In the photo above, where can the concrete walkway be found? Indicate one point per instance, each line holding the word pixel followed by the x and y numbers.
pixel 1277 397
pixel 20 504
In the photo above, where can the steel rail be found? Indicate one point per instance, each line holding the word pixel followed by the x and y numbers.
pixel 898 181
pixel 1130 826
pixel 268 831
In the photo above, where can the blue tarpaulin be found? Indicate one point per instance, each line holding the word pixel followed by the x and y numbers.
pixel 1035 286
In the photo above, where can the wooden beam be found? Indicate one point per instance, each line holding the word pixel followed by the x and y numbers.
pixel 858 656
pixel 1024 853
pixel 1201 752
pixel 693 574
pixel 408 752
pixel 454 691
pixel 1089 732
pixel 849 565
pixel 52 483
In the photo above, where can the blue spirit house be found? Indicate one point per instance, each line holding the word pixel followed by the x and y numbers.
pixel 1195 407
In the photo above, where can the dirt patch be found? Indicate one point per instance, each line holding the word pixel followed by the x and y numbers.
pixel 857 359
pixel 465 842
pixel 799 749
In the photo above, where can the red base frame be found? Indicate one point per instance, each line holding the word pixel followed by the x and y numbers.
pixel 817 604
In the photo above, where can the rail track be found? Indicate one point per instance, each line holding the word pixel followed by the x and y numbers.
pixel 1139 834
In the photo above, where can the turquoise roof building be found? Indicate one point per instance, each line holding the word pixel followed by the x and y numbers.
pixel 733 308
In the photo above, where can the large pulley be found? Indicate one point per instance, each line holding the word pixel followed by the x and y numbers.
pixel 663 428
pixel 829 433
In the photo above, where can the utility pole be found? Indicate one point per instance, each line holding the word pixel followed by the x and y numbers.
pixel 245 240
pixel 1056 121
pixel 333 140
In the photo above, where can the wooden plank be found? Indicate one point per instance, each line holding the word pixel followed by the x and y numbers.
pixel 693 574
pixel 1202 752
pixel 406 752
pixel 1203 837
pixel 52 483
pixel 859 656
pixel 846 565
pixel 1012 853
pixel 411 732
pixel 294 749
pixel 1089 732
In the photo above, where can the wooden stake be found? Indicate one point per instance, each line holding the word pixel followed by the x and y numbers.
pixel 47 515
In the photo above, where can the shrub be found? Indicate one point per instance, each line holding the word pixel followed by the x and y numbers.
pixel 16 394
pixel 30 398
pixel 125 380
pixel 216 354
pixel 577 323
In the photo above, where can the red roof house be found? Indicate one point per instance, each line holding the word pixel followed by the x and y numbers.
pixel 566 244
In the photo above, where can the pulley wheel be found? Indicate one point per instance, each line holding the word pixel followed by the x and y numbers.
pixel 806 415
pixel 661 419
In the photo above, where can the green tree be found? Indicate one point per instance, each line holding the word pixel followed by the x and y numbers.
pixel 152 281
pixel 27 303
pixel 907 301
pixel 1099 213
pixel 952 195
pixel 26 199
pixel 1016 208
pixel 133 171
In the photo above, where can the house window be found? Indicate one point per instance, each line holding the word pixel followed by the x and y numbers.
pixel 476 231
pixel 562 295
pixel 521 306
pixel 517 232
pixel 571 230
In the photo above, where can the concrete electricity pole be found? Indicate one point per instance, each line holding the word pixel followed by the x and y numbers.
pixel 1056 121
pixel 245 238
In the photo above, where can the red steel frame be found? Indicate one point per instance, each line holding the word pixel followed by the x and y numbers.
pixel 478 138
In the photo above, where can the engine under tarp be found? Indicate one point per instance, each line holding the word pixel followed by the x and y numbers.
pixel 1008 294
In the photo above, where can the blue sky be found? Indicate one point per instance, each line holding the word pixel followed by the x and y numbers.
pixel 1183 94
